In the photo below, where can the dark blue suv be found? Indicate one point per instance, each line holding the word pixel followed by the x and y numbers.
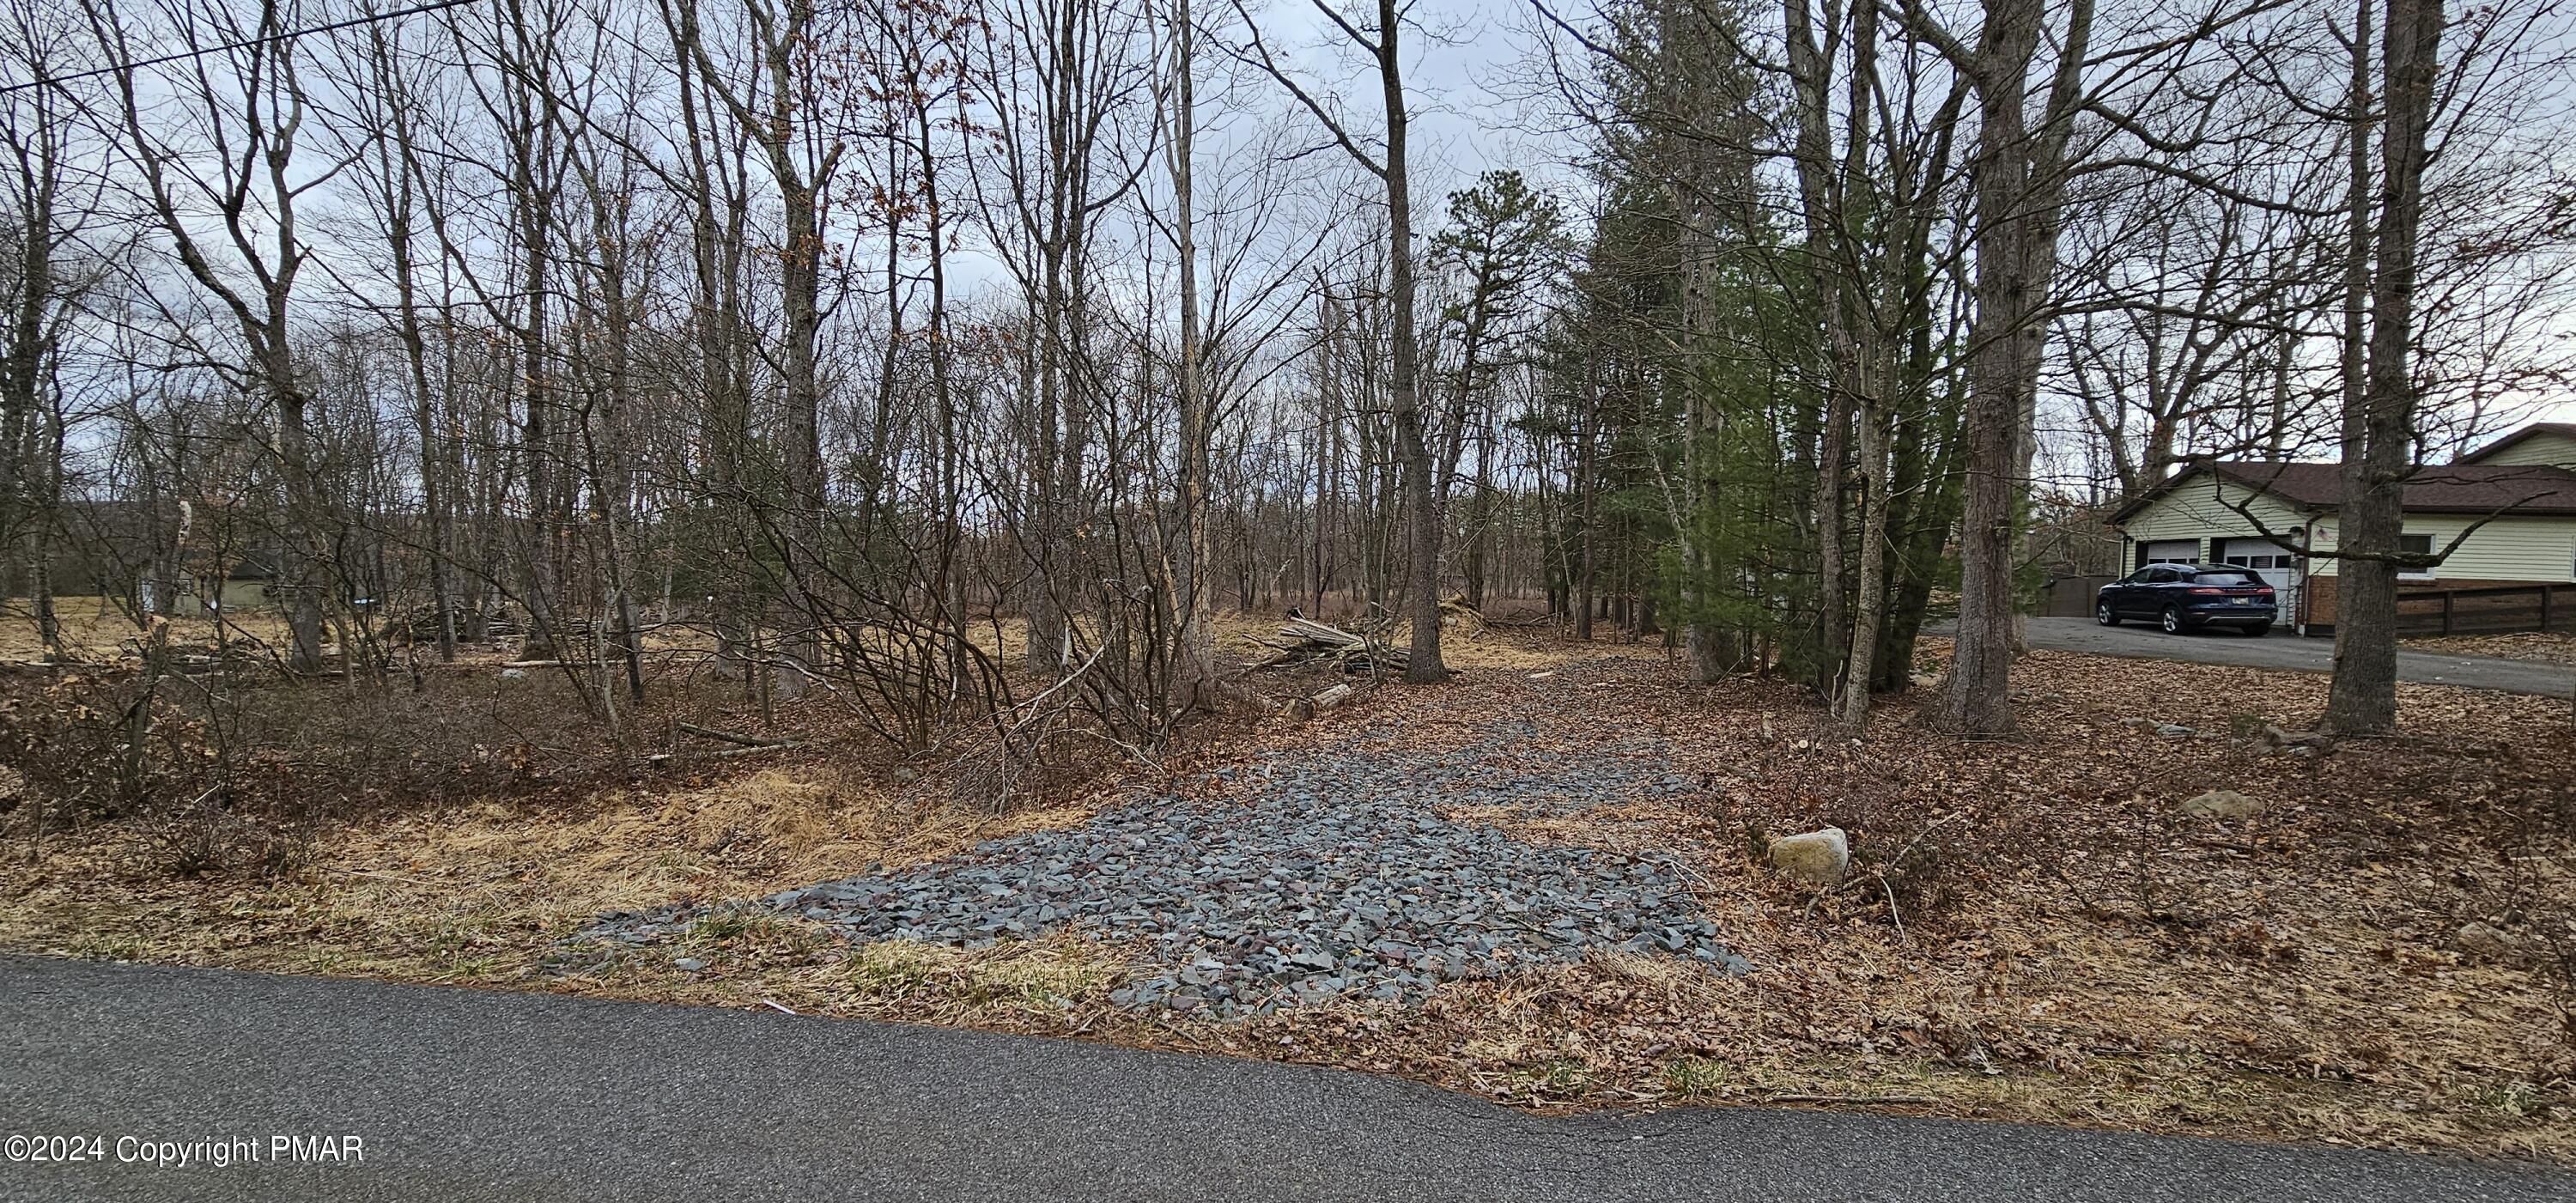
pixel 2182 597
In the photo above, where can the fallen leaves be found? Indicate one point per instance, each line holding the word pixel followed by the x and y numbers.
pixel 2549 647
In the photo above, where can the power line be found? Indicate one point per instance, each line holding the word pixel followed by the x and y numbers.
pixel 351 23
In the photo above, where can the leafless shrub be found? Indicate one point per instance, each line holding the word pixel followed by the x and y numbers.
pixel 1920 852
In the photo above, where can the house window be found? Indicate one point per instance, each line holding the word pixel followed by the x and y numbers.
pixel 2415 545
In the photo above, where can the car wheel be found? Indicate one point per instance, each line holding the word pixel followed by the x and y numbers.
pixel 2259 629
pixel 2172 621
pixel 2102 614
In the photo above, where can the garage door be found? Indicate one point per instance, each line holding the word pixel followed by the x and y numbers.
pixel 2170 551
pixel 2278 565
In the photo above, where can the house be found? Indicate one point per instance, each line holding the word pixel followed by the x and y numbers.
pixel 211 583
pixel 242 587
pixel 2516 497
pixel 2545 444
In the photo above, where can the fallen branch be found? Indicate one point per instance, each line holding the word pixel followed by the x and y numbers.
pixel 1304 641
pixel 1302 709
pixel 1892 912
pixel 728 753
pixel 593 662
pixel 732 737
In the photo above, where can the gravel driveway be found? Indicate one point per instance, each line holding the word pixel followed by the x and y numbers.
pixel 1308 875
pixel 2292 653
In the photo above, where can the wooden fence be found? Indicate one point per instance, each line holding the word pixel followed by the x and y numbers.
pixel 2071 596
pixel 2490 609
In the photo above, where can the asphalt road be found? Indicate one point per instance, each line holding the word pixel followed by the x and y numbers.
pixel 2286 651
pixel 466 1095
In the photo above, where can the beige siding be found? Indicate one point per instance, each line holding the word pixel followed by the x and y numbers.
pixel 2552 449
pixel 2510 548
pixel 2204 508
pixel 244 594
pixel 2506 549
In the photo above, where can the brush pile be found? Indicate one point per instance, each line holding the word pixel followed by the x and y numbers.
pixel 1304 641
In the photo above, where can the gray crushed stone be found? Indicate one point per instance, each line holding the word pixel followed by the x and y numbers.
pixel 1310 876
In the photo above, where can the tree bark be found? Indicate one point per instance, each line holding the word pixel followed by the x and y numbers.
pixel 2379 436
pixel 1413 445
pixel 1196 643
pixel 2020 190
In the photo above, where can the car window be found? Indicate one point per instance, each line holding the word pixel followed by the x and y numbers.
pixel 2159 576
pixel 2228 578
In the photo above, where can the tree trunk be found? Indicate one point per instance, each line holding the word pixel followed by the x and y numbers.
pixel 1413 445
pixel 1588 472
pixel 1190 576
pixel 2019 189
pixel 1871 610
pixel 2378 439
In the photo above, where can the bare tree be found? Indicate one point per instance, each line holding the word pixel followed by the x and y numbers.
pixel 2379 420
pixel 1382 43
pixel 46 267
pixel 246 104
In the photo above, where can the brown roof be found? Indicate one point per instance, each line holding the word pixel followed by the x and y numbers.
pixel 2563 429
pixel 2445 489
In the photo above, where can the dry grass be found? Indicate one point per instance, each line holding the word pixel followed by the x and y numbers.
pixel 471 894
pixel 1054 984
pixel 1465 643
pixel 94 630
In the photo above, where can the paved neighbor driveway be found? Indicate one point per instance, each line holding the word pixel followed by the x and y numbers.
pixel 2286 651
pixel 465 1095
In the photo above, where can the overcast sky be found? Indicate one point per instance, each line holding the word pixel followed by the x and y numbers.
pixel 1473 75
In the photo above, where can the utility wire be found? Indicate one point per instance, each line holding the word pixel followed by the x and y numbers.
pixel 351 23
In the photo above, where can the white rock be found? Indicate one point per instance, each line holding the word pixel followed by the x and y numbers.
pixel 2222 804
pixel 2487 942
pixel 514 674
pixel 1817 858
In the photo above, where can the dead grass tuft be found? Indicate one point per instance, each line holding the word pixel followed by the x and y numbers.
pixel 476 893
pixel 1048 973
